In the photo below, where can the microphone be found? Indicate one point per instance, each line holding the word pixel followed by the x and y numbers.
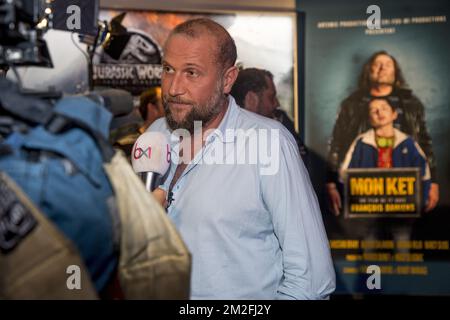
pixel 150 157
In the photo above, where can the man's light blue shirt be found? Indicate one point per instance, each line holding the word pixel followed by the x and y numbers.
pixel 251 235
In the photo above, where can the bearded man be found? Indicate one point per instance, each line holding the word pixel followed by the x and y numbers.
pixel 253 234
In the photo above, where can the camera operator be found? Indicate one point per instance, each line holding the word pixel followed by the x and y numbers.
pixel 72 220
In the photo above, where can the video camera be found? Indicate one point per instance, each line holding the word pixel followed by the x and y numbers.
pixel 22 26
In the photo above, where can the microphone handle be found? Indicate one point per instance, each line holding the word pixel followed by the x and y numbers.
pixel 149 179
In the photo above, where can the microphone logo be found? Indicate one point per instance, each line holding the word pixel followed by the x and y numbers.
pixel 139 153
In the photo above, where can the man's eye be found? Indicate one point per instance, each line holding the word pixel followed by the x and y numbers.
pixel 167 69
pixel 192 73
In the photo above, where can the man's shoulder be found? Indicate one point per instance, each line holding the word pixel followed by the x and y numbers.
pixel 354 100
pixel 251 120
pixel 409 99
pixel 284 119
pixel 247 120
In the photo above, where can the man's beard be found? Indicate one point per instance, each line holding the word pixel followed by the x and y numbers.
pixel 199 112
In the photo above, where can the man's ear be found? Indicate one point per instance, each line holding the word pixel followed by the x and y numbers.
pixel 251 101
pixel 229 78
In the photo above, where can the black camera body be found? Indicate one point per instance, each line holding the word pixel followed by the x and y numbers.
pixel 22 26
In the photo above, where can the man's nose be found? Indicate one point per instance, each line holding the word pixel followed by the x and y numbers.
pixel 277 103
pixel 176 86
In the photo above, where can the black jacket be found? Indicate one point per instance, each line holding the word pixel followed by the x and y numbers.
pixel 282 117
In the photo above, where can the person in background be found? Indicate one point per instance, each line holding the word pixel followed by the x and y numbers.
pixel 255 91
pixel 126 129
pixel 150 106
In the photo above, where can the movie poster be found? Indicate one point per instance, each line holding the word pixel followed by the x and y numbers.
pixel 376 114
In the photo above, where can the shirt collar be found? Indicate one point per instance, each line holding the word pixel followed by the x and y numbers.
pixel 228 122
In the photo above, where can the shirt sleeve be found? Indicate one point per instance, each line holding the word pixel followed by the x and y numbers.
pixel 297 221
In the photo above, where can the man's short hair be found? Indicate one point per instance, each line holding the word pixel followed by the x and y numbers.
pixel 250 79
pixel 226 53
